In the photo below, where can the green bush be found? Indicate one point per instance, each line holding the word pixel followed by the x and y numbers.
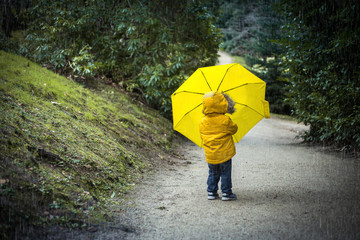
pixel 322 56
pixel 7 44
pixel 146 46
pixel 264 54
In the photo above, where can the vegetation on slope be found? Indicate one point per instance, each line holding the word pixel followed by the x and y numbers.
pixel 148 47
pixel 69 153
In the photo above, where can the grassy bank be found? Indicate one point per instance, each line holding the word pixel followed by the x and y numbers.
pixel 69 153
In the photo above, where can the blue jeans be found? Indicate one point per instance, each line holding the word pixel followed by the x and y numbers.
pixel 217 171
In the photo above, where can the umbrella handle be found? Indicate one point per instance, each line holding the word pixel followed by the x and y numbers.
pixel 266 109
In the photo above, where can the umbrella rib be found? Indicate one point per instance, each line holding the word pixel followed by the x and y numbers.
pixel 206 80
pixel 189 92
pixel 250 108
pixel 187 114
pixel 224 76
pixel 241 86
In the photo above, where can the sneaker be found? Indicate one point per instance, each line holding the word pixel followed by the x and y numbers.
pixel 213 196
pixel 228 197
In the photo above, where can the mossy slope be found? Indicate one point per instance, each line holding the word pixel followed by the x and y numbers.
pixel 69 153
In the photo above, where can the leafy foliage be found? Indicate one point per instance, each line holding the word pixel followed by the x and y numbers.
pixel 263 56
pixel 146 46
pixel 238 22
pixel 10 21
pixel 249 29
pixel 322 55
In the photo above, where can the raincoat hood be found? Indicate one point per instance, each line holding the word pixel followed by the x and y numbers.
pixel 215 102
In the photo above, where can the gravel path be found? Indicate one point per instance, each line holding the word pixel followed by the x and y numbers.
pixel 224 58
pixel 285 190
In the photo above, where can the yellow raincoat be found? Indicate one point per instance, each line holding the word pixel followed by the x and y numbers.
pixel 216 129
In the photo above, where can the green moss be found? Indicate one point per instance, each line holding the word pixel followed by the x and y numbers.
pixel 81 148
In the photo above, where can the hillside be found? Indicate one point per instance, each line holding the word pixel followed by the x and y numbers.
pixel 69 154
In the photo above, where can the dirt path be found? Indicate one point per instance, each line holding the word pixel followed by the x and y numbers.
pixel 225 58
pixel 285 190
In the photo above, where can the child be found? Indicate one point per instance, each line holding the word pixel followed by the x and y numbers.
pixel 216 131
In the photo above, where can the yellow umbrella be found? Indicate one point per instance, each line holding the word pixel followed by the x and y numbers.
pixel 246 89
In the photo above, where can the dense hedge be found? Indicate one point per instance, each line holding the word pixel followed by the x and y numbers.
pixel 323 56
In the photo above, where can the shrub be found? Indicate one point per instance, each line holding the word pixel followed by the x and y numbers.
pixel 148 46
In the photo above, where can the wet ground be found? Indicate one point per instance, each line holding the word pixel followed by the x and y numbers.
pixel 285 190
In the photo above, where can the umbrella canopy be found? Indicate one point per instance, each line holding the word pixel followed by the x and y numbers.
pixel 246 89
